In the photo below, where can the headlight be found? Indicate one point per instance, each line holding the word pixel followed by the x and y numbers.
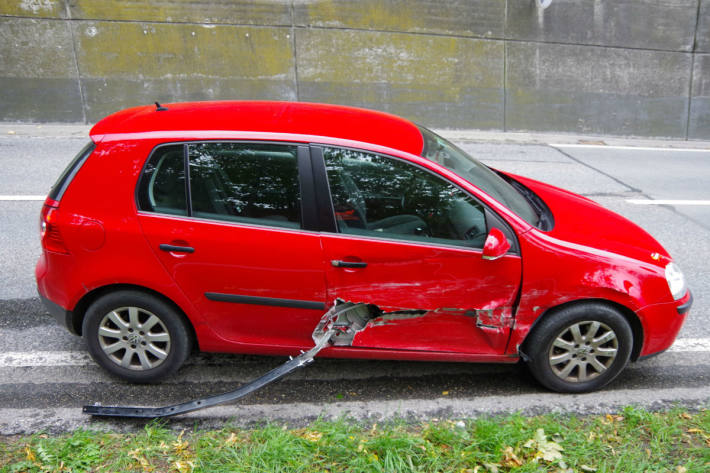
pixel 676 280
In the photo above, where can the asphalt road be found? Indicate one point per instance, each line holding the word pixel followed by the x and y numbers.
pixel 46 375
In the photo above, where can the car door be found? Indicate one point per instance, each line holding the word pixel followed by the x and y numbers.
pixel 410 242
pixel 231 233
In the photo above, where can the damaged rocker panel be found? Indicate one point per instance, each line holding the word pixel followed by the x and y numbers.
pixel 336 320
pixel 338 327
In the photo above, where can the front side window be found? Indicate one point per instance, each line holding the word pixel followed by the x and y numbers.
pixel 245 182
pixel 379 196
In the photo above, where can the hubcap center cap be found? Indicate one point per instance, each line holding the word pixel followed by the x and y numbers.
pixel 134 338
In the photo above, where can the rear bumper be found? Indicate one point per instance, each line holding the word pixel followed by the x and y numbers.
pixel 48 292
pixel 63 316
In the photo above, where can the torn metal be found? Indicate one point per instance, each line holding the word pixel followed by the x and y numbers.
pixel 340 326
pixel 341 321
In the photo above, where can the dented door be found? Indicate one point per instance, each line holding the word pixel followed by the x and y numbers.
pixel 410 242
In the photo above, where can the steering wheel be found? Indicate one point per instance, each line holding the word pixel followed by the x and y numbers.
pixel 473 233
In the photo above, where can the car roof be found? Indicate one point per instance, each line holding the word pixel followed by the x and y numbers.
pixel 333 121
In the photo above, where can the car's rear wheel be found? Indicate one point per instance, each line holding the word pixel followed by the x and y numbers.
pixel 579 348
pixel 136 336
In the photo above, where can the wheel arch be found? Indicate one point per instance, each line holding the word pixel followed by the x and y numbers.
pixel 85 302
pixel 628 314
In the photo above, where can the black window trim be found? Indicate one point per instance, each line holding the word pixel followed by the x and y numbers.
pixel 305 175
pixel 65 179
pixel 329 225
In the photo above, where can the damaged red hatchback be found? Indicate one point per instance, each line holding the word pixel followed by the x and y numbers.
pixel 233 226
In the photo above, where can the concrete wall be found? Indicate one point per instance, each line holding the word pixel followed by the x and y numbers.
pixel 623 67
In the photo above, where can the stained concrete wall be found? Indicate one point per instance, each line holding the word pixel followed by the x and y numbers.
pixel 623 67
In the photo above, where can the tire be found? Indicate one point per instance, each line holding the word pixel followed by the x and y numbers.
pixel 136 336
pixel 579 348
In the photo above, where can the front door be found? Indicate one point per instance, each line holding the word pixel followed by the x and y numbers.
pixel 410 242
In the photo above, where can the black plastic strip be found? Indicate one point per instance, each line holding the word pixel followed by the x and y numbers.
pixel 272 301
pixel 153 412
pixel 309 208
pixel 326 214
pixel 325 330
pixel 685 308
pixel 188 186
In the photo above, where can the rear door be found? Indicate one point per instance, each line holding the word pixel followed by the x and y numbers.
pixel 232 233
pixel 410 242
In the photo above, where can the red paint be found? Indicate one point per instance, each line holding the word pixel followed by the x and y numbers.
pixel 97 239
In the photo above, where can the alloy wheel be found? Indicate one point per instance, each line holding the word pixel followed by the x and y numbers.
pixel 134 338
pixel 583 351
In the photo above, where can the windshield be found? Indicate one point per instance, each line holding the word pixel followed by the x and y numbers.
pixel 448 155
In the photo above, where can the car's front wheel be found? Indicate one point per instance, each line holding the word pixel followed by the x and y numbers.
pixel 579 348
pixel 136 336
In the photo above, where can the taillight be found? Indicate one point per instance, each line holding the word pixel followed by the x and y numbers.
pixel 49 230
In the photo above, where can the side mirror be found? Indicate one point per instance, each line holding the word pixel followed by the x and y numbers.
pixel 496 245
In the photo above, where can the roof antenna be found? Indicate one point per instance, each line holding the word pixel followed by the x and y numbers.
pixel 160 108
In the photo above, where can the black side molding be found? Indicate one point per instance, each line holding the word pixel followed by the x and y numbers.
pixel 683 309
pixel 272 301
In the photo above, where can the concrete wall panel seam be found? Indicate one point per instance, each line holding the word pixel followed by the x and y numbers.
pixel 295 53
pixel 623 67
pixel 78 73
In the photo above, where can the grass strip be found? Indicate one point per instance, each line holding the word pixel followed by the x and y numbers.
pixel 633 440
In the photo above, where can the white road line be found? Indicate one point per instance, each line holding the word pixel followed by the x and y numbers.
pixel 80 358
pixel 667 202
pixel 690 345
pixel 18 359
pixel 632 148
pixel 23 197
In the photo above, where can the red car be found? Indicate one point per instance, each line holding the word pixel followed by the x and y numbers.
pixel 233 226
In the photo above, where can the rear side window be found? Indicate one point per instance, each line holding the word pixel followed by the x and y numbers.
pixel 162 186
pixel 237 182
pixel 65 179
pixel 245 182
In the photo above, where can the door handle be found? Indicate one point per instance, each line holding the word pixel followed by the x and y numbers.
pixel 176 249
pixel 348 264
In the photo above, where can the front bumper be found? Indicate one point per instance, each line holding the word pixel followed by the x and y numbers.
pixel 662 323
pixel 684 308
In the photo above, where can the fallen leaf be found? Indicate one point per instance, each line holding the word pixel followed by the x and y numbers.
pixel 184 466
pixel 444 393
pixel 686 416
pixel 312 436
pixel 491 467
pixel 510 459
pixel 547 450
